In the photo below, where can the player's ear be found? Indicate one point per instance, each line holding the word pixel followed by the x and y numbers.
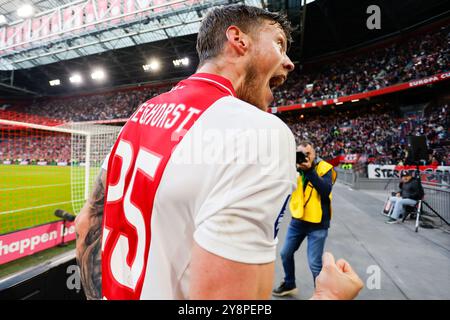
pixel 237 39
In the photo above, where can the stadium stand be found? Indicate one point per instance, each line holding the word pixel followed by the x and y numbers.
pixel 103 106
pixel 16 150
pixel 386 66
pixel 379 132
pixel 29 117
pixel 429 54
pixel 344 133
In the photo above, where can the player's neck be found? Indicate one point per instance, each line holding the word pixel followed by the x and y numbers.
pixel 224 69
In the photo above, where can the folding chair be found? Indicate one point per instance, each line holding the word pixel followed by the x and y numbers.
pixel 409 210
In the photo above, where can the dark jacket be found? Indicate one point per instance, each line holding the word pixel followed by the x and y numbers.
pixel 411 189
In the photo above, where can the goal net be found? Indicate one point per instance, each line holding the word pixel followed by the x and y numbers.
pixel 90 143
pixel 44 168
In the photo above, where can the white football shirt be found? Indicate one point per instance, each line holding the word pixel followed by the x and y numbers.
pixel 225 186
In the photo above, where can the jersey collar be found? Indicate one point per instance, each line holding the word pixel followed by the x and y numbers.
pixel 215 80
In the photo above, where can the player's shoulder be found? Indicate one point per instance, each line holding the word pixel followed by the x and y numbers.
pixel 249 114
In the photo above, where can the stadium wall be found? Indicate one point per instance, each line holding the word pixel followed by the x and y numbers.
pixel 57 279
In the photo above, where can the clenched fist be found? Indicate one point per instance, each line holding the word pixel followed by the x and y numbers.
pixel 337 280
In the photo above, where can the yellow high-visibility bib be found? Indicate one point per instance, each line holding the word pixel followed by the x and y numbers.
pixel 305 205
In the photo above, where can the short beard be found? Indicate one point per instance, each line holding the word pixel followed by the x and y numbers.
pixel 250 86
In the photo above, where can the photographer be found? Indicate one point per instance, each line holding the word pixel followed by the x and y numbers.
pixel 310 206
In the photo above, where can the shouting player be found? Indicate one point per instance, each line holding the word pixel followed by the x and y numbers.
pixel 189 202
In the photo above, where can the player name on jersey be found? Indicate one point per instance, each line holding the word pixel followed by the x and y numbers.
pixel 164 115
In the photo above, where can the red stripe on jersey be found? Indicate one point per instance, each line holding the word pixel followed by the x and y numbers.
pixel 135 168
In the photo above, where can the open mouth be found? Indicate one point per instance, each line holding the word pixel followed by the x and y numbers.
pixel 276 81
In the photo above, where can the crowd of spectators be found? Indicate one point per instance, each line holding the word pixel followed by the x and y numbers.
pixel 105 106
pixel 33 146
pixel 421 56
pixel 21 146
pixel 400 62
pixel 379 132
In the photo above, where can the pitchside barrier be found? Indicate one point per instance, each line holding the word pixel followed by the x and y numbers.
pixel 435 182
pixel 57 279
pixel 42 169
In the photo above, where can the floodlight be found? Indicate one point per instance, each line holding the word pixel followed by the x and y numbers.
pixel 153 65
pixel 55 82
pixel 181 62
pixel 76 78
pixel 25 11
pixel 98 74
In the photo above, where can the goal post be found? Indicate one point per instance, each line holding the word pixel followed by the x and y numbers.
pixel 44 168
pixel 90 144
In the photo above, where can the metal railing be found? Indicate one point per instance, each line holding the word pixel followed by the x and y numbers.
pixel 346 176
pixel 437 196
pixel 438 199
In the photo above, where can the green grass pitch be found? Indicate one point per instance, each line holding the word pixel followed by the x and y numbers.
pixel 29 195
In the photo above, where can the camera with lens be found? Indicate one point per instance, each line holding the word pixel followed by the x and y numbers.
pixel 301 157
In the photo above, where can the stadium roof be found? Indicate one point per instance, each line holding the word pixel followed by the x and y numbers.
pixel 9 7
pixel 62 30
pixel 331 26
pixel 58 38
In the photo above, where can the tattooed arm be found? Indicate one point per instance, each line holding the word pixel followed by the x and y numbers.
pixel 88 226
